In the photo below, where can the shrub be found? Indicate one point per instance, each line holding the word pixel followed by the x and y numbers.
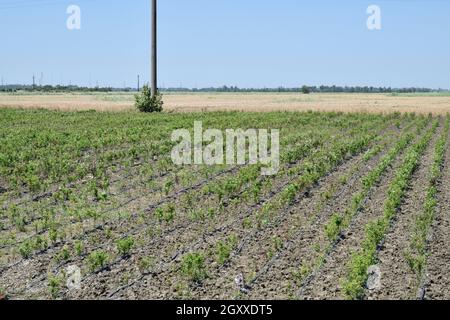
pixel 166 214
pixel 125 245
pixel 64 254
pixel 145 102
pixel 26 249
pixel 20 223
pixel 224 249
pixel 193 267
pixel 97 260
pixel 223 252
pixel 54 285
pixel 40 243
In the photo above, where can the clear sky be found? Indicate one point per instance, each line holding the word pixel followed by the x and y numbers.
pixel 248 43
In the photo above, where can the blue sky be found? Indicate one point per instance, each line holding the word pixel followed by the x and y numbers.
pixel 248 43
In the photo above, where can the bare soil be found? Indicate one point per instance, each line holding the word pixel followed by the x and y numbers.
pixel 437 280
pixel 398 281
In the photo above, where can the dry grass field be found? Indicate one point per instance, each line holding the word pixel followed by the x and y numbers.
pixel 437 104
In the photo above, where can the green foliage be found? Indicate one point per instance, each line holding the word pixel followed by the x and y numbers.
pixel 64 254
pixel 20 222
pixel 300 273
pixel 166 213
pixel 145 102
pixel 224 249
pixel 125 245
pixel 97 260
pixel 144 264
pixel 26 249
pixel 79 248
pixel 53 234
pixel 375 230
pixel 277 244
pixel 334 226
pixel 416 254
pixel 54 285
pixel 40 243
pixel 193 267
pixel 198 214
pixel 289 194
pixel 86 152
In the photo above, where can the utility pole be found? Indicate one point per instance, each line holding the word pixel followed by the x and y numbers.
pixel 138 86
pixel 34 81
pixel 154 49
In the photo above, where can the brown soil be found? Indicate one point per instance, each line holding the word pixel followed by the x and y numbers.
pixel 270 272
pixel 398 281
pixel 437 281
pixel 302 221
pixel 326 283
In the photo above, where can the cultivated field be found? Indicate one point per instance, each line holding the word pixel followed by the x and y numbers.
pixel 436 103
pixel 99 192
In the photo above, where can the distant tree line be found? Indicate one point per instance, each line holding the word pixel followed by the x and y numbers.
pixel 49 88
pixel 303 89
pixel 309 89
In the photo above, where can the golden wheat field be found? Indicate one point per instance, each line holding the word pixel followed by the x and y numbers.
pixel 436 103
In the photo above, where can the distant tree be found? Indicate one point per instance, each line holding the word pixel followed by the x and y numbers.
pixel 306 90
